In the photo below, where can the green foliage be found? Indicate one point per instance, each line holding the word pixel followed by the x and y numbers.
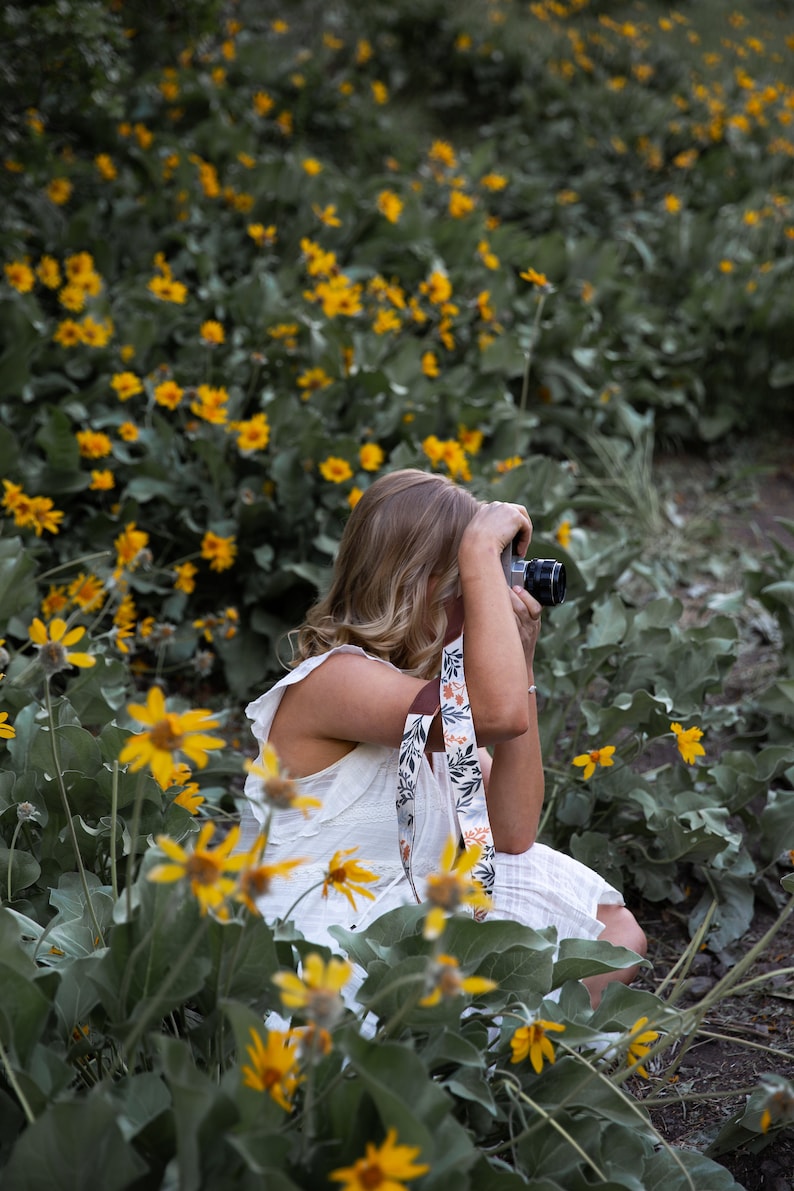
pixel 208 347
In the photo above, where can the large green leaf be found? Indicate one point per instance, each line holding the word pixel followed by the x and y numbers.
pixel 74 1145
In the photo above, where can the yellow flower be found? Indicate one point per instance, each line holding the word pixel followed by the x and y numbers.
pixel 672 204
pixel 126 385
pixel 102 480
pixel 54 641
pixel 687 741
pixel 640 1044
pixel 43 516
pixel 437 288
pixel 312 166
pixel 185 577
pixel 390 205
pixel 59 191
pixel 93 444
pixel 347 876
pixel 7 732
pixel 563 534
pixel 313 379
pixel 168 733
pixel 535 278
pixel 532 1041
pixel 130 546
pixel 277 789
pixel 442 152
pixel 255 880
pixel 595 757
pixel 470 439
pixel 189 798
pixel 445 980
pixel 371 456
pixel 168 394
pixel 430 364
pixel 385 1167
pixel 335 470
pixel 380 92
pixel 207 871
pixel 212 332
pixel 317 993
pixel 211 404
pixel 327 215
pixel 219 552
pixel 274 1066
pixel 253 434
pixel 453 887
pixel 460 205
pixel 129 432
pixel 20 276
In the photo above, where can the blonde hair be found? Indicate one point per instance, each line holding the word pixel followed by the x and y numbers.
pixel 404 531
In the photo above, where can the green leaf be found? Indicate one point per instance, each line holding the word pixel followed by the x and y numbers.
pixel 57 439
pixel 17 585
pixel 74 1145
pixel 591 957
pixel 24 1010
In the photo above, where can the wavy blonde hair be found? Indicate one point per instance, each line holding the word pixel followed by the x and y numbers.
pixel 404 531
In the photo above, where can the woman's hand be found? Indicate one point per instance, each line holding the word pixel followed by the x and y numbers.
pixel 498 525
pixel 527 611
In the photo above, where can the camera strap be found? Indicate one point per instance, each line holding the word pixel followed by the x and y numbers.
pixel 449 696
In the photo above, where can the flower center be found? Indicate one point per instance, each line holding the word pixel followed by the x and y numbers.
pixel 280 791
pixel 443 889
pixel 370 1175
pixel 165 734
pixel 53 657
pixel 202 869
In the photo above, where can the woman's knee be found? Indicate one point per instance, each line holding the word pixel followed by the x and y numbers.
pixel 622 929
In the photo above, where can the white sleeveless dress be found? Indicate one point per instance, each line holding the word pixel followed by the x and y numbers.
pixel 538 888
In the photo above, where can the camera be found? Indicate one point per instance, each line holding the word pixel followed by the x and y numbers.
pixel 543 578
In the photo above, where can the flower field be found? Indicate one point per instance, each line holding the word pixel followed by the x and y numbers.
pixel 252 256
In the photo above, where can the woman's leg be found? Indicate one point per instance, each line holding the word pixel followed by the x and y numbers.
pixel 622 930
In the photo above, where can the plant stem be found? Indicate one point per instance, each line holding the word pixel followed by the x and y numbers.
pixel 68 812
pixel 12 1079
pixel 11 855
pixel 114 816
pixel 186 954
pixel 533 335
pixel 134 826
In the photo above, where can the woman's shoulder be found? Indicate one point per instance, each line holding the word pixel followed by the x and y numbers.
pixel 340 654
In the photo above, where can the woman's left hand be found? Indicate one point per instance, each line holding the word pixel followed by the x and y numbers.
pixel 527 611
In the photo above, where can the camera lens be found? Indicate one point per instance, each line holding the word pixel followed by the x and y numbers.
pixel 544 578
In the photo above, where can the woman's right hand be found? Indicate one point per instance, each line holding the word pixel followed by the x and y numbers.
pixel 498 525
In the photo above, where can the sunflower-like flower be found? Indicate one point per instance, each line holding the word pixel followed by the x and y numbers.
pixel 687 740
pixel 279 791
pixel 346 876
pixel 208 871
pixel 387 1167
pixel 446 981
pixel 532 1041
pixel 274 1065
pixel 588 761
pixel 453 887
pixel 54 641
pixel 168 733
pixel 256 877
pixel 316 993
pixel 640 1042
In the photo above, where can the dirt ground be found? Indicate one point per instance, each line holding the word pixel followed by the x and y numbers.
pixel 736 498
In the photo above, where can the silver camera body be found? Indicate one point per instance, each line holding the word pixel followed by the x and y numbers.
pixel 543 578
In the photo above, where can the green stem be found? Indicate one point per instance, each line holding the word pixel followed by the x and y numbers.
pixel 68 812
pixel 134 827
pixel 12 1079
pixel 533 335
pixel 114 818
pixel 72 563
pixel 17 830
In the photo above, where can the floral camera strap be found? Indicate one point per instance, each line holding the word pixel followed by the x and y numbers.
pixel 449 695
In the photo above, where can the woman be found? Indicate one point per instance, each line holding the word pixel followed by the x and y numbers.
pixel 417 547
